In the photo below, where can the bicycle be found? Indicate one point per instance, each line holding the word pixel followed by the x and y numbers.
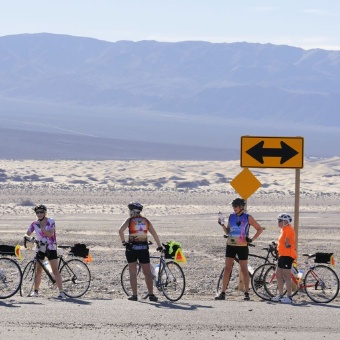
pixel 170 279
pixel 10 272
pixel 254 261
pixel 319 282
pixel 75 274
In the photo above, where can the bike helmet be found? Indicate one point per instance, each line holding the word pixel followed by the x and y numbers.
pixel 284 217
pixel 135 206
pixel 238 202
pixel 40 207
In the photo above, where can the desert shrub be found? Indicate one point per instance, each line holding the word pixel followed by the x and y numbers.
pixel 27 203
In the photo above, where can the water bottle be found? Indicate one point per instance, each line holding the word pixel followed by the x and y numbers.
pixel 152 268
pixel 250 269
pixel 220 218
pixel 47 265
pixel 156 270
pixel 300 274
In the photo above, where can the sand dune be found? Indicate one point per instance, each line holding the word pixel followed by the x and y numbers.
pixel 104 186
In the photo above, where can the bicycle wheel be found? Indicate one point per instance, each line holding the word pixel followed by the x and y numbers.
pixel 125 281
pixel 264 281
pixel 254 261
pixel 172 281
pixel 321 284
pixel 10 277
pixel 76 278
pixel 28 277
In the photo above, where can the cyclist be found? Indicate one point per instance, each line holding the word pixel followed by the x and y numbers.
pixel 137 247
pixel 287 255
pixel 44 228
pixel 237 231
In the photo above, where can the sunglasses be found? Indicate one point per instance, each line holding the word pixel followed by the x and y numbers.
pixel 40 212
pixel 278 221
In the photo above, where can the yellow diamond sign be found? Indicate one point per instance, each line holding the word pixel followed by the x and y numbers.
pixel 245 183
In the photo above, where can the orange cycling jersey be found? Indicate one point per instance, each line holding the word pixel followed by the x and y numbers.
pixel 287 232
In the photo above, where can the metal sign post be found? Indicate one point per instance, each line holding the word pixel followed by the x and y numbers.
pixel 297 207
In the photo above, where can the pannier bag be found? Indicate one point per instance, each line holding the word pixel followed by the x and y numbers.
pixel 324 258
pixel 173 250
pixel 80 250
pixel 10 251
pixel 7 250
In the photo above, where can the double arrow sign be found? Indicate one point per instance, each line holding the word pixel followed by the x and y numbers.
pixel 271 152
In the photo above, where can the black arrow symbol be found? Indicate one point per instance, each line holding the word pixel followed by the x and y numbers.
pixel 285 152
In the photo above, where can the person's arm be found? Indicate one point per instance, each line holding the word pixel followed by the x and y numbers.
pixel 154 234
pixel 226 229
pixel 257 226
pixel 49 229
pixel 122 228
pixel 30 230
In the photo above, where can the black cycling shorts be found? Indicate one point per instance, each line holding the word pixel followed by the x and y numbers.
pixel 142 255
pixel 285 262
pixel 50 254
pixel 241 252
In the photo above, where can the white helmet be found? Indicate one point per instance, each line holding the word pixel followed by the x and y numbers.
pixel 285 217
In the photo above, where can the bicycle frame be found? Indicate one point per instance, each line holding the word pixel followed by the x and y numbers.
pixel 50 276
pixel 299 281
pixel 162 264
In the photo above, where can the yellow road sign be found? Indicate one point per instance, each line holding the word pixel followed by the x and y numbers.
pixel 245 183
pixel 272 152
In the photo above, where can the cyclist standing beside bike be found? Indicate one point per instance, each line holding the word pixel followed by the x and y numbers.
pixel 137 248
pixel 44 228
pixel 237 231
pixel 287 254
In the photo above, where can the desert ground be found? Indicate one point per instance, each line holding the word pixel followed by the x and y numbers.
pixel 88 201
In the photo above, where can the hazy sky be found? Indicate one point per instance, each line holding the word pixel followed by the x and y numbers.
pixel 303 23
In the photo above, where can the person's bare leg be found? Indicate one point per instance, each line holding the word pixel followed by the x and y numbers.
pixel 37 279
pixel 227 270
pixel 245 273
pixel 279 278
pixel 57 276
pixel 133 277
pixel 288 280
pixel 148 277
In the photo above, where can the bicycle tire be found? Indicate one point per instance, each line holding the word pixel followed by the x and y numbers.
pixel 264 282
pixel 28 277
pixel 254 260
pixel 76 278
pixel 10 277
pixel 125 280
pixel 172 280
pixel 321 284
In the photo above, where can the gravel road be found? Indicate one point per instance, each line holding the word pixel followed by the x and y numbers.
pixel 35 318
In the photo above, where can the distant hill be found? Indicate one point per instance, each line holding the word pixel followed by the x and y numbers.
pixel 185 93
pixel 17 144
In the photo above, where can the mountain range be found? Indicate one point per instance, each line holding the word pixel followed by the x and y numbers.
pixel 196 94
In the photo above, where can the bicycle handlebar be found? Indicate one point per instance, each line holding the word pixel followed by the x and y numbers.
pixel 29 239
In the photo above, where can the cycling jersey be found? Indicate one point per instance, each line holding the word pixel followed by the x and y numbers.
pixel 238 229
pixel 138 229
pixel 287 232
pixel 50 225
